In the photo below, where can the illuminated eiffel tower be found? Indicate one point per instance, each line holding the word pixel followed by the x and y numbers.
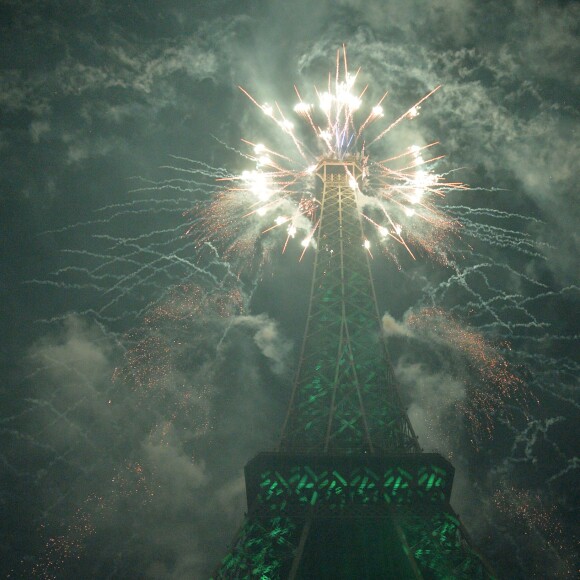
pixel 348 494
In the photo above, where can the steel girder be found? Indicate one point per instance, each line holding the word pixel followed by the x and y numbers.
pixel 344 396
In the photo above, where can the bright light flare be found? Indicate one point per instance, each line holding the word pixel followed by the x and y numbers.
pixel 258 183
pixel 302 108
pixel 413 112
pixel 326 100
pixel 397 194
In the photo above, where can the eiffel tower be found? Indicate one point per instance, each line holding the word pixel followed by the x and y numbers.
pixel 348 494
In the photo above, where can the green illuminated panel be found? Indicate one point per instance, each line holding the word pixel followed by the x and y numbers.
pixel 438 545
pixel 400 502
pixel 263 549
pixel 304 485
pixel 432 541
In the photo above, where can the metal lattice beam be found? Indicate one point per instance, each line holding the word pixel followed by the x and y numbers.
pixel 344 396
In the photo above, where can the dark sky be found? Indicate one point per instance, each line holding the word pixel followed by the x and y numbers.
pixel 139 373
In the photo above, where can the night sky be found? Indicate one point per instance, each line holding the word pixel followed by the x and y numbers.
pixel 141 369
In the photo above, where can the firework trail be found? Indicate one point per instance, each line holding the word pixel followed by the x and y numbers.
pixel 233 222
pixel 525 512
pixel 229 223
pixel 491 385
pixel 120 273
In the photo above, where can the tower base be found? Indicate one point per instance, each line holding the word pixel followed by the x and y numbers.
pixel 351 516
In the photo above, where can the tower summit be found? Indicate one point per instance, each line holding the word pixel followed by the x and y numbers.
pixel 348 494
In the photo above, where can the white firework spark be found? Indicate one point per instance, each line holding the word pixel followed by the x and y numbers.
pixel 397 197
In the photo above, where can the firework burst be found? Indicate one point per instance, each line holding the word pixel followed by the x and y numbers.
pixel 491 384
pixel 533 518
pixel 397 196
pixel 161 346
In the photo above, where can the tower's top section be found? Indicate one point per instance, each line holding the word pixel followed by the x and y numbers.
pixel 344 398
pixel 347 170
pixel 347 130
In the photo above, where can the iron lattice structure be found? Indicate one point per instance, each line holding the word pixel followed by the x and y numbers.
pixel 349 494
pixel 344 397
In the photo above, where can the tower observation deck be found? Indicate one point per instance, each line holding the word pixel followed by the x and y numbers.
pixel 348 494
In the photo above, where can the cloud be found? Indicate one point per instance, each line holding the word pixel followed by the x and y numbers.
pixel 37 129
pixel 453 19
pixel 433 396
pixel 272 344
pixel 76 367
pixel 155 461
pixel 393 328
pixel 548 44
pixel 177 475
pixel 429 385
pixel 80 351
pixel 122 66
